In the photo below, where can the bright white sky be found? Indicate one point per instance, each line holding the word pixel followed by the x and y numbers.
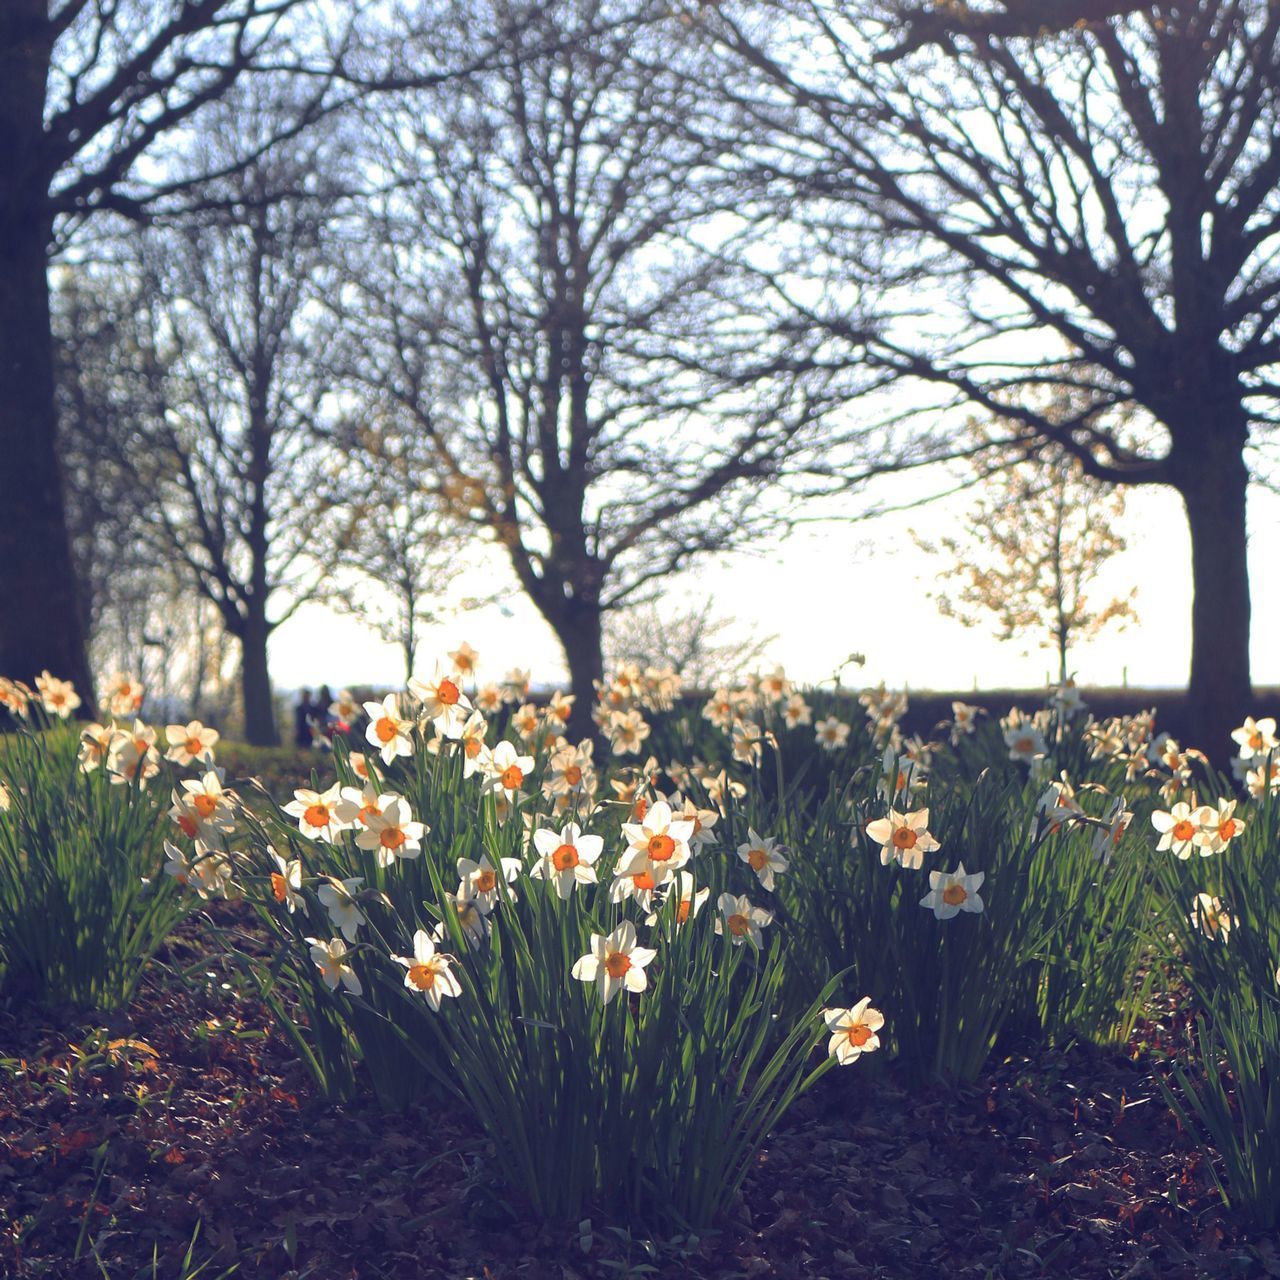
pixel 833 589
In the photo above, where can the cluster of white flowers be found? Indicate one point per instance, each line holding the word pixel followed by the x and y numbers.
pixel 1257 763
pixel 904 839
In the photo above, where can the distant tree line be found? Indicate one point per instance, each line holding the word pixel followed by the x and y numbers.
pixel 605 286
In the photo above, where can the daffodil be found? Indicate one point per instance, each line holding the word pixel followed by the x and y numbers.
pixel 515 685
pixel 853 1031
pixel 123 695
pixel 15 697
pixel 764 856
pixel 344 707
pixel 689 901
pixel 130 764
pixel 627 732
pixel 796 712
pixel 1178 828
pixel 904 838
pixel 526 720
pixel 566 858
pixel 569 770
pixel 332 958
pixel 964 720
pixel 443 701
pixel 1218 827
pixel 657 843
pixel 428 972
pixel 471 919
pixel 831 734
pixel 190 742
pixel 951 892
pixel 317 812
pixel 704 821
pixel 337 897
pixel 1210 917
pixel 719 709
pixel 96 741
pixel 355 805
pixel 559 710
pixel 464 659
pixel 615 963
pixel 1025 741
pixel 391 832
pixel 742 921
pixel 475 752
pixel 58 697
pixel 286 881
pixel 480 880
pixel 1106 837
pixel 507 770
pixel 388 730
pixel 1256 737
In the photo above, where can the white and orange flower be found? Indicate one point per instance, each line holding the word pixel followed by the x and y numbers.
pixel 507 770
pixel 853 1031
pixel 391 832
pixel 904 838
pixel 615 963
pixel 388 730
pixel 428 972
pixel 951 892
pixel 190 743
pixel 763 855
pixel 566 858
pixel 742 921
pixel 58 697
pixel 443 701
pixel 317 812
pixel 657 843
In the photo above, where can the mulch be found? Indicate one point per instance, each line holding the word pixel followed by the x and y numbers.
pixel 120 1136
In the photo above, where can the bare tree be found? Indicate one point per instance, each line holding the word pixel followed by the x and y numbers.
pixel 556 313
pixel 408 545
pixel 224 413
pixel 704 648
pixel 98 101
pixel 1095 210
pixel 86 90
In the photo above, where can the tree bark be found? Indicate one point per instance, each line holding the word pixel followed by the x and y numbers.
pixel 41 624
pixel 255 685
pixel 581 634
pixel 1219 692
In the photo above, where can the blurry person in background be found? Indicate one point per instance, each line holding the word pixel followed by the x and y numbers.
pixel 302 718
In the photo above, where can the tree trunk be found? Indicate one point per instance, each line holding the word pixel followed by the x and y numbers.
pixel 1219 692
pixel 255 685
pixel 580 631
pixel 40 622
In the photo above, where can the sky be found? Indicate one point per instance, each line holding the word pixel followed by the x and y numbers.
pixel 833 589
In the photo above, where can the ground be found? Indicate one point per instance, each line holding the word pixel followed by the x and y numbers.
pixel 119 1136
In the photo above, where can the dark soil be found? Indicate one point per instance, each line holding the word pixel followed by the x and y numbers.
pixel 190 1110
